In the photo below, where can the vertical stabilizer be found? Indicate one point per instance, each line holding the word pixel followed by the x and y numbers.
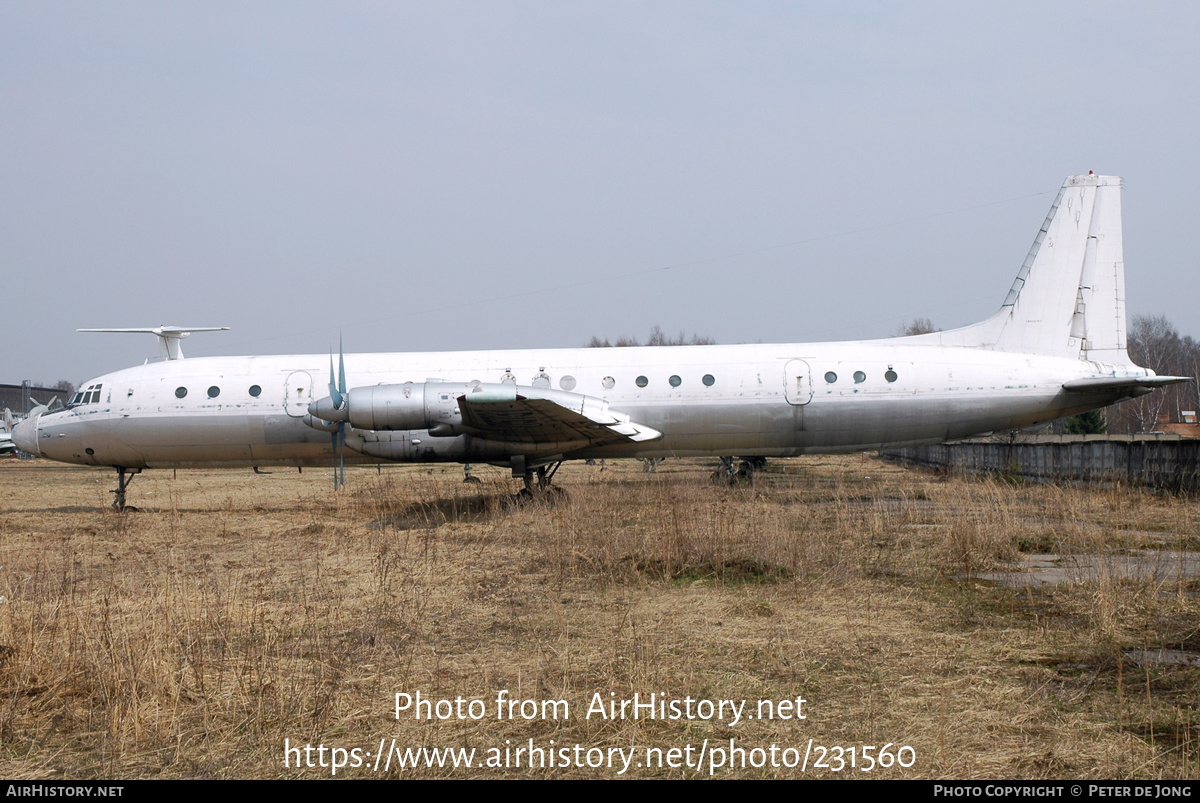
pixel 1057 304
pixel 1068 299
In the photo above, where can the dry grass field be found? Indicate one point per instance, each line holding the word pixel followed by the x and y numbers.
pixel 237 611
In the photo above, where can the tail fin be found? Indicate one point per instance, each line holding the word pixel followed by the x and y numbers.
pixel 1068 299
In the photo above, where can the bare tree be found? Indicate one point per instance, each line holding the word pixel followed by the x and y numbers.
pixel 917 326
pixel 657 338
pixel 1155 343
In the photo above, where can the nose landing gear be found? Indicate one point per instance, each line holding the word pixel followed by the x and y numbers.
pixel 123 483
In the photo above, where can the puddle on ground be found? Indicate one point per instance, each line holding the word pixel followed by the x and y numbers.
pixel 1163 657
pixel 1164 566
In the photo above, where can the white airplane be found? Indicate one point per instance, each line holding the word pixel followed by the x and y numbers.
pixel 1055 348
pixel 6 443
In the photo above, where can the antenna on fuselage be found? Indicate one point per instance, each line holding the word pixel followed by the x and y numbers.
pixel 168 336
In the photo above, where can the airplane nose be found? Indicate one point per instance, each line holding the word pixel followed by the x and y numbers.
pixel 24 436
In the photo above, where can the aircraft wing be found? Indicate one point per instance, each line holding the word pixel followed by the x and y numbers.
pixel 533 421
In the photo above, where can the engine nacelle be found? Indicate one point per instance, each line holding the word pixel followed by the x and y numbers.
pixel 434 406
pixel 413 405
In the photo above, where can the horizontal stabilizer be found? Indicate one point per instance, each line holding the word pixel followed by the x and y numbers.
pixel 168 336
pixel 1120 382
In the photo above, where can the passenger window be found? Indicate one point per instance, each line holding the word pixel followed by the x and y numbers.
pixel 859 377
pixel 675 381
pixel 608 382
pixel 180 392
pixel 708 380
pixel 641 381
pixel 890 375
pixel 830 377
pixel 214 392
pixel 255 390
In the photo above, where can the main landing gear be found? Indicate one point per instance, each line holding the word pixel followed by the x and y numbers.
pixel 538 481
pixel 123 483
pixel 726 474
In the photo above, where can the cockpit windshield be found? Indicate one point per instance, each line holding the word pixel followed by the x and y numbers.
pixel 89 395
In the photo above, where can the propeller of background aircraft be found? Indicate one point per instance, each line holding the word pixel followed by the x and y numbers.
pixel 38 408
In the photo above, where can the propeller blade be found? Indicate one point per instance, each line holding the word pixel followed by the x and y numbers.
pixel 337 393
pixel 334 393
pixel 338 438
pixel 341 365
pixel 341 452
pixel 333 440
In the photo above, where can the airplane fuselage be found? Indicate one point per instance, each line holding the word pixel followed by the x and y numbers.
pixel 1056 347
pixel 767 400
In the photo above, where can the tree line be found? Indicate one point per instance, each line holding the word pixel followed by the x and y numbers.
pixel 657 338
pixel 1154 342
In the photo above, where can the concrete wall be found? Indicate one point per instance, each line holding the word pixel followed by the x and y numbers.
pixel 1161 462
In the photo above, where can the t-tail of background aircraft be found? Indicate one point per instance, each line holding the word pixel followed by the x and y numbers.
pixel 1055 348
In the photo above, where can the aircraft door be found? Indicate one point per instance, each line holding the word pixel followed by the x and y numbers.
pixel 297 393
pixel 797 382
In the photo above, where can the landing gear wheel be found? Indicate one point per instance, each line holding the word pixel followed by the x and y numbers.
pixel 541 488
pixel 726 474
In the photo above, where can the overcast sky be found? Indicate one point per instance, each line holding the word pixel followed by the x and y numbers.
pixel 438 176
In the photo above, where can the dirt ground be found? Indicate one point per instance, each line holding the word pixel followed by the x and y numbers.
pixel 263 626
